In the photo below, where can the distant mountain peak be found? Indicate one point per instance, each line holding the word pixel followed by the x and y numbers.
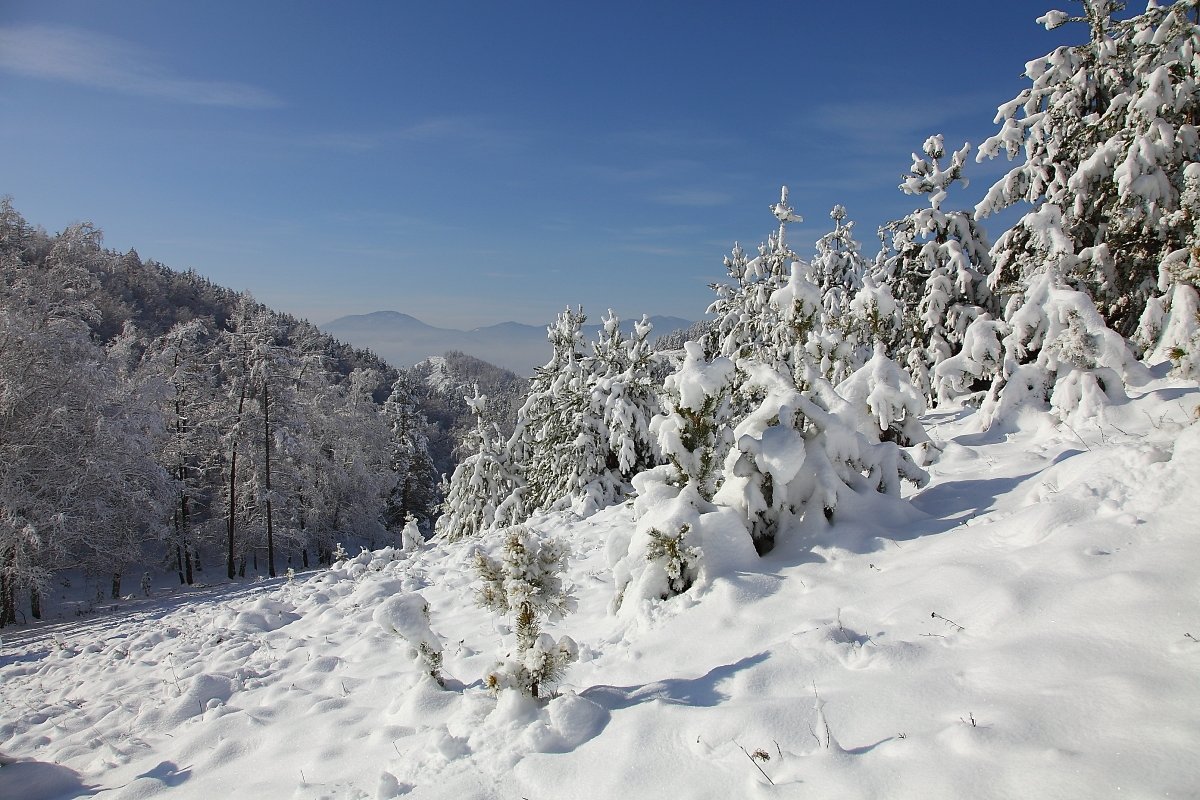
pixel 404 340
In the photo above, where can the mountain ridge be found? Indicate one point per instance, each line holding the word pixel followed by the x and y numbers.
pixel 405 340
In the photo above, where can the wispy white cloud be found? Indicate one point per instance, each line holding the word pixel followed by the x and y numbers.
pixel 693 198
pixel 656 250
pixel 470 130
pixel 652 171
pixel 902 123
pixel 77 56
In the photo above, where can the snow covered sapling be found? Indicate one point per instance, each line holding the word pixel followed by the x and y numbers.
pixel 526 583
pixel 690 431
pixel 407 616
pixel 410 536
pixel 679 561
pixel 1059 348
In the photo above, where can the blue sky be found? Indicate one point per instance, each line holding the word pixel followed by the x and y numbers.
pixel 475 162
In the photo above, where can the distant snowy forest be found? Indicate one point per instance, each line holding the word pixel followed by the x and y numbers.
pixel 151 419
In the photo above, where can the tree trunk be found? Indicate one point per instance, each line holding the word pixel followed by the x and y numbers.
pixel 187 565
pixel 35 603
pixel 233 492
pixel 116 586
pixel 233 507
pixel 185 523
pixel 8 601
pixel 181 516
pixel 267 471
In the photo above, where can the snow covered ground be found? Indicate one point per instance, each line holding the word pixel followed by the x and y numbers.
pixel 1031 630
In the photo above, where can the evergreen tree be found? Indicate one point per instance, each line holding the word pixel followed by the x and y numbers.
pixel 548 423
pixel 415 492
pixel 1108 133
pixel 937 265
pixel 838 270
pixel 624 395
pixel 486 489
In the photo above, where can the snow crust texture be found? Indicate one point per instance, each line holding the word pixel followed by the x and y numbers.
pixel 1032 629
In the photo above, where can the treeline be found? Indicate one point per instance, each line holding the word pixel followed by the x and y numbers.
pixel 803 393
pixel 150 416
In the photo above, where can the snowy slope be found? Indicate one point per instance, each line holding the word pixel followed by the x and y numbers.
pixel 1031 631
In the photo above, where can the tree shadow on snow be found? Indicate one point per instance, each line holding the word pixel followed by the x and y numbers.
pixel 38 780
pixel 168 773
pixel 110 619
pixel 951 504
pixel 702 692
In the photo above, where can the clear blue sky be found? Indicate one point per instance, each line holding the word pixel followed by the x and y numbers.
pixel 475 162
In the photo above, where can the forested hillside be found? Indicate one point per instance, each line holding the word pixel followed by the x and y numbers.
pixel 151 418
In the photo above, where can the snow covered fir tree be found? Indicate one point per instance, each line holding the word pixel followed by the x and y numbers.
pixel 803 546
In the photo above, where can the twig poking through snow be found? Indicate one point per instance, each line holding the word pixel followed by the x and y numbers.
pixel 755 762
pixel 1077 436
pixel 936 615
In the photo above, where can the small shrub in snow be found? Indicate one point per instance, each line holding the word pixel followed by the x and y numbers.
pixel 407 616
pixel 526 583
pixel 1058 349
pixel 410 536
pixel 679 560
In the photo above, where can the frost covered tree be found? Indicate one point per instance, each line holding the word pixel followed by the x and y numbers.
pixel 1107 135
pixel 692 430
pixel 658 559
pixel 79 483
pixel 125 507
pixel 624 395
pixel 795 443
pixel 839 266
pixel 410 536
pixel 525 582
pixel 1058 348
pixel 937 265
pixel 415 493
pixel 756 433
pixel 486 489
pixel 838 269
pixel 555 415
pixel 182 357
pixel 583 429
pixel 252 368
pixel 770 307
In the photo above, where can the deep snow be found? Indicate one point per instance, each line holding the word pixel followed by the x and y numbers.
pixel 1031 628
